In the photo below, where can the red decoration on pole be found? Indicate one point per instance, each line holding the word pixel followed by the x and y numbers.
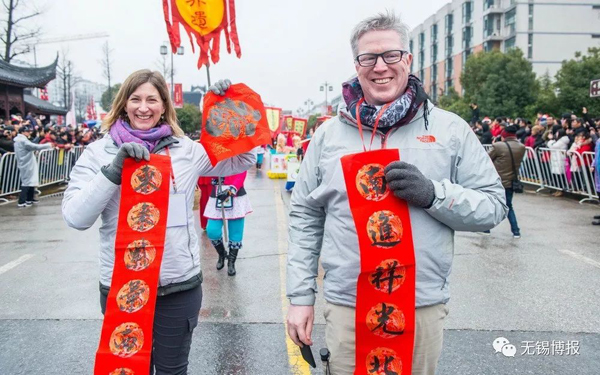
pixel 203 19
pixel 233 123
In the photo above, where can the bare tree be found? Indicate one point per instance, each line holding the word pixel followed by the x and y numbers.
pixel 107 66
pixel 82 100
pixel 17 33
pixel 65 72
pixel 164 67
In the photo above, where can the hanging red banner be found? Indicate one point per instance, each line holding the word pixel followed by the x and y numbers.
pixel 178 95
pixel 126 338
pixel 273 119
pixel 233 123
pixel 204 19
pixel 299 126
pixel 385 295
pixel 288 124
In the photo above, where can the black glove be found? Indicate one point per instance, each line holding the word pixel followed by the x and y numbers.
pixel 114 170
pixel 408 183
pixel 226 193
pixel 220 87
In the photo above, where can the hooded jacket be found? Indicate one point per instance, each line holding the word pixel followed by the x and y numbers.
pixel 26 160
pixel 91 195
pixel 469 197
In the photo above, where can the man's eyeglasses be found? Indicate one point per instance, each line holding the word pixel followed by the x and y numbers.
pixel 389 57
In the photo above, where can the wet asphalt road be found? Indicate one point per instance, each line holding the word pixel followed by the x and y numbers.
pixel 540 289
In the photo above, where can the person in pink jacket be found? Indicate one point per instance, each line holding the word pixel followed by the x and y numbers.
pixel 232 197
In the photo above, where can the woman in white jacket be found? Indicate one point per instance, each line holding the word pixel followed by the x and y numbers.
pixel 143 121
pixel 558 143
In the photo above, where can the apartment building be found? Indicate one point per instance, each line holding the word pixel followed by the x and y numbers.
pixel 547 31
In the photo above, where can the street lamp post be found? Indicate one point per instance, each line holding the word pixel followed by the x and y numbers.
pixel 326 87
pixel 165 50
pixel 308 103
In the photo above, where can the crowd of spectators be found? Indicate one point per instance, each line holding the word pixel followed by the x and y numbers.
pixel 45 131
pixel 564 140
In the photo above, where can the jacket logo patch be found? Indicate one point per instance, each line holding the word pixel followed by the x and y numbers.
pixel 426 138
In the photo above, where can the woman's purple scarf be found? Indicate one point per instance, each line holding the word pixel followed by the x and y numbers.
pixel 121 132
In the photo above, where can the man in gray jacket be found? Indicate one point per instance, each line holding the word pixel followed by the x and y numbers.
pixel 445 176
pixel 28 165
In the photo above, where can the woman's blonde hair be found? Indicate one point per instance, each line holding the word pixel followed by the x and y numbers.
pixel 537 129
pixel 135 80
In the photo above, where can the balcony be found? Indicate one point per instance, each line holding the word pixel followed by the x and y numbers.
pixel 493 36
pixel 494 9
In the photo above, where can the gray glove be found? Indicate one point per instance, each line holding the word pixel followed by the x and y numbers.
pixel 408 183
pixel 114 170
pixel 220 87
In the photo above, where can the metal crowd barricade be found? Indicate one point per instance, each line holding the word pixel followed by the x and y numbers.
pixel 565 171
pixel 558 170
pixel 590 160
pixel 10 182
pixel 54 167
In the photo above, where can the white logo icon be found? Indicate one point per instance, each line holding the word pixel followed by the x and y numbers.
pixel 502 345
pixel 509 350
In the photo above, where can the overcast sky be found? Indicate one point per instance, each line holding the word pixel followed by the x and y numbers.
pixel 289 47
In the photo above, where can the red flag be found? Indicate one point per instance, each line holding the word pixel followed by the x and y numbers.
pixel 233 123
pixel 204 19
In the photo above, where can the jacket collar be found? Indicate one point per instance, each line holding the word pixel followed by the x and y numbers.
pixel 170 141
pixel 347 118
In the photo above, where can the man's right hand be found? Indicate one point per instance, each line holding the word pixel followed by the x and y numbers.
pixel 300 321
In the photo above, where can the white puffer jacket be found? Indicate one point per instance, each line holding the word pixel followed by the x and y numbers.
pixel 469 197
pixel 91 195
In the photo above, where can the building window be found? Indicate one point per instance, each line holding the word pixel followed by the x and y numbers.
pixel 449 23
pixel 421 41
pixel 465 55
pixel 434 93
pixel 467 36
pixel 421 60
pixel 448 85
pixel 449 68
pixel 434 33
pixel 434 73
pixel 530 46
pixel 467 11
pixel 422 75
pixel 434 53
pixel 488 26
pixel 530 17
pixel 487 4
pixel 449 45
pixel 509 44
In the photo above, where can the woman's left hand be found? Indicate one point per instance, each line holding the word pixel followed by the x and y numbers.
pixel 220 87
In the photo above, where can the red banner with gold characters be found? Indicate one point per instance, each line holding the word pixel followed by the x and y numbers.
pixel 233 123
pixel 126 338
pixel 300 126
pixel 273 119
pixel 385 295
pixel 288 124
pixel 204 19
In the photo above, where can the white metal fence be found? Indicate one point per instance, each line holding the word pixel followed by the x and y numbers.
pixel 559 170
pixel 54 167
